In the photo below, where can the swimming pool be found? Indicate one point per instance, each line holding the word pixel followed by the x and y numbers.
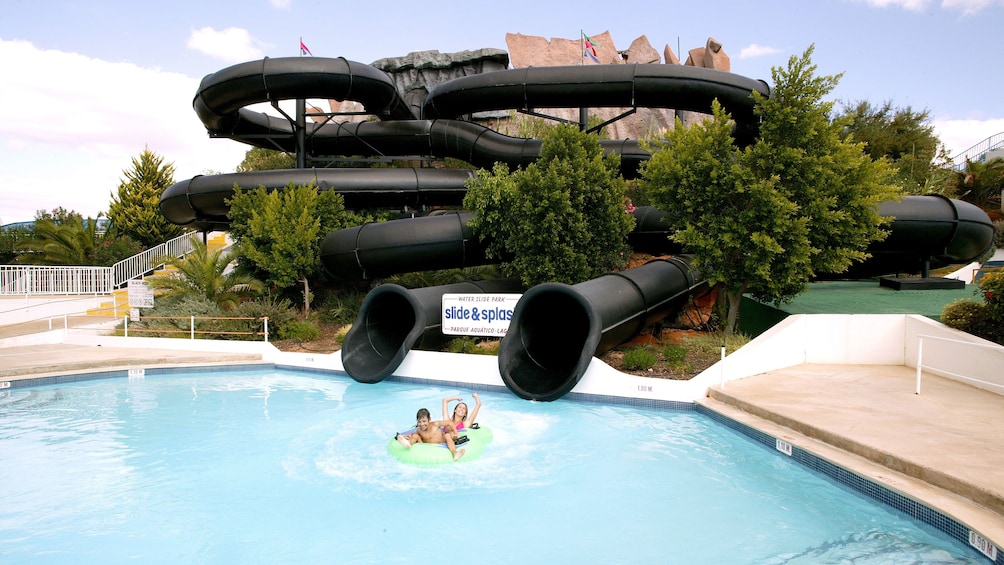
pixel 282 466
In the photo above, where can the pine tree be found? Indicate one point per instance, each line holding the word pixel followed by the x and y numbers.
pixel 135 210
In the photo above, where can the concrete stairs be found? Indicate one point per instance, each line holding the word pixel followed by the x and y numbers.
pixel 117 304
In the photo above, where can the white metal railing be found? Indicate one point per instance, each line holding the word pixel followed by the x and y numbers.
pixel 48 279
pixel 978 152
pixel 34 279
pixel 990 365
pixel 128 269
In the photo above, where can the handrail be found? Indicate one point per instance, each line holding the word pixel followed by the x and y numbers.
pixel 978 152
pixel 192 332
pixel 56 279
pixel 52 279
pixel 920 363
pixel 132 267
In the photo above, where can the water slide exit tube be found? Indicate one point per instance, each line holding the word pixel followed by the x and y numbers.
pixel 393 319
pixel 556 328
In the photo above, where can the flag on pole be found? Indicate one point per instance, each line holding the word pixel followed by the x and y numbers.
pixel 589 48
pixel 304 50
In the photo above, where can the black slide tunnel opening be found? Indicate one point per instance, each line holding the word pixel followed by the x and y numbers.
pixel 557 328
pixel 393 319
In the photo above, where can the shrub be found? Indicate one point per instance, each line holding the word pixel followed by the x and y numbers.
pixel 973 318
pixel 342 308
pixel 300 330
pixel 468 344
pixel 639 359
pixel 674 355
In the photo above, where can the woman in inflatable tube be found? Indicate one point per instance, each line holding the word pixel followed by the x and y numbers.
pixel 461 418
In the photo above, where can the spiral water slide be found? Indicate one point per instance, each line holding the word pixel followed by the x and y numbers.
pixel 222 101
pixel 538 360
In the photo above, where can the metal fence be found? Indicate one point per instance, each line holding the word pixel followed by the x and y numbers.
pixel 31 279
pixel 134 266
pixel 977 153
pixel 15 280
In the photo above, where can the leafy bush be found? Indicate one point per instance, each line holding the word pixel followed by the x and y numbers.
pixel 302 331
pixel 674 355
pixel 998 234
pixel 639 358
pixel 473 345
pixel 982 319
pixel 341 308
pixel 279 312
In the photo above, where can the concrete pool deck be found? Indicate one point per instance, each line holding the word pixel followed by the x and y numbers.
pixel 864 418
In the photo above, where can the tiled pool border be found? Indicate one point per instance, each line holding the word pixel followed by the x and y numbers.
pixel 863 485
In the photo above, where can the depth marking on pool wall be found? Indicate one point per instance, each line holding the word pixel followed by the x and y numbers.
pixel 135 374
pixel 983 545
pixel 4 384
pixel 782 446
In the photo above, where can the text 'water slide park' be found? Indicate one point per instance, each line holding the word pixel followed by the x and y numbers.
pixel 537 359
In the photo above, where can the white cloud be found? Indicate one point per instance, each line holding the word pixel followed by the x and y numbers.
pixel 913 5
pixel 70 124
pixel 281 4
pixel 967 7
pixel 753 50
pixel 233 45
pixel 960 135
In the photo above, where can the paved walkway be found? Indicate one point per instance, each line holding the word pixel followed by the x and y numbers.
pixel 942 446
pixel 37 360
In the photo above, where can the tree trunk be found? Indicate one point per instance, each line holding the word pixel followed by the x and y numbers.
pixel 306 297
pixel 735 297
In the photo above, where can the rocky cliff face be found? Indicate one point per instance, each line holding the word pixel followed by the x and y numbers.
pixel 536 51
pixel 419 72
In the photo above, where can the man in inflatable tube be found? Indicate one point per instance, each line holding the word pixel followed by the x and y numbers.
pixel 427 431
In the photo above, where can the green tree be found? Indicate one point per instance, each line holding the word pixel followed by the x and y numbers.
pixel 73 241
pixel 765 219
pixel 279 232
pixel 561 219
pixel 903 136
pixel 11 238
pixel 203 273
pixel 135 209
pixel 980 183
pixel 259 159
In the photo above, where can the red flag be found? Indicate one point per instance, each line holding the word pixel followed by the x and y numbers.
pixel 589 48
pixel 304 50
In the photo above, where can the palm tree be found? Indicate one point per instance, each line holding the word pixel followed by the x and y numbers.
pixel 204 273
pixel 980 183
pixel 72 241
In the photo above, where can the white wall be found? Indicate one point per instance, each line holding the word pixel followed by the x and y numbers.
pixel 858 339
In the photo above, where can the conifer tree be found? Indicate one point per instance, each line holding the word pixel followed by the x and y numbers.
pixel 135 208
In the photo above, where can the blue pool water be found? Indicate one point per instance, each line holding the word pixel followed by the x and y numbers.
pixel 286 467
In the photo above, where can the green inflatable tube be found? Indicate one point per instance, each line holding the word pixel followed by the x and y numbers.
pixel 426 454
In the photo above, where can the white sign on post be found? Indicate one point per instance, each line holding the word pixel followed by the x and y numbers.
pixel 140 294
pixel 478 314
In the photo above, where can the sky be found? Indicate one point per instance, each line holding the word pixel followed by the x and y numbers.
pixel 85 87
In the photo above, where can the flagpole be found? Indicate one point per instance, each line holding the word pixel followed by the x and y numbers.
pixel 583 112
pixel 300 127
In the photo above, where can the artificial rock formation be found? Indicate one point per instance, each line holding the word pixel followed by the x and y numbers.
pixel 417 73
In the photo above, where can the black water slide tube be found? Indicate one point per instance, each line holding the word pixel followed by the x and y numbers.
pixel 200 202
pixel 393 319
pixel 556 329
pixel 601 86
pixel 221 99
